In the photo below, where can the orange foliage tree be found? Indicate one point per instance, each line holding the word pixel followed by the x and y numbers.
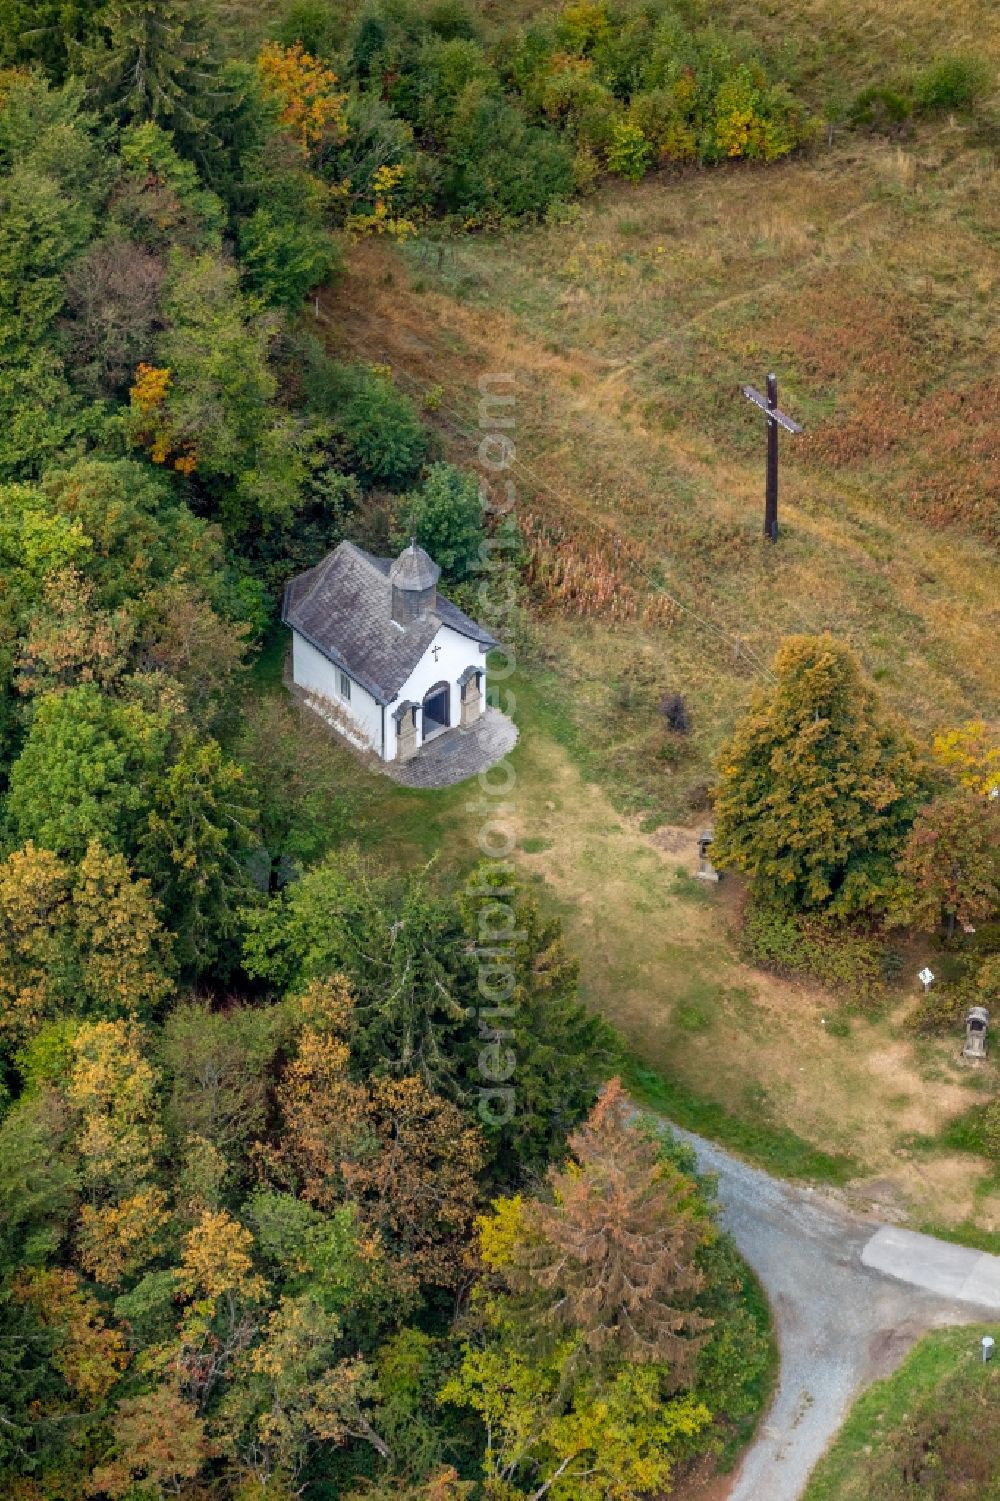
pixel 151 423
pixel 612 1250
pixel 311 109
pixel 406 1157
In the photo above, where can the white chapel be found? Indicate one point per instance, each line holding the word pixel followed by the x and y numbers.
pixel 387 658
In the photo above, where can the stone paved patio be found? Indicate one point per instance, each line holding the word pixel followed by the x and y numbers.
pixel 452 756
pixel 457 754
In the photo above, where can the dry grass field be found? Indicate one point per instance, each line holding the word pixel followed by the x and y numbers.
pixel 866 277
pixel 866 274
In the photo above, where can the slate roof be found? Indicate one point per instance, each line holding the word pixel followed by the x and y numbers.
pixel 343 607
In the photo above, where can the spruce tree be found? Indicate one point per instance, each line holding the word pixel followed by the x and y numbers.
pixel 154 60
pixel 45 32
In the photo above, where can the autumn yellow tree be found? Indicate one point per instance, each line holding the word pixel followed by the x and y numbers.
pixel 113 1091
pixel 293 1391
pixel 310 106
pixel 88 1355
pixel 223 1295
pixel 971 753
pixel 76 941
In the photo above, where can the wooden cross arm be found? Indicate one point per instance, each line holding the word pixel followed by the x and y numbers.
pixel 781 418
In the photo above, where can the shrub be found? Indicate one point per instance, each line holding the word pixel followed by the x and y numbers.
pixel 945 1008
pixel 316 24
pixel 659 115
pixel 445 516
pixel 953 83
pixel 852 961
pixel 752 119
pixel 880 108
pixel 499 166
pixel 674 711
pixel 629 153
pixel 445 70
pixel 286 255
pixel 380 428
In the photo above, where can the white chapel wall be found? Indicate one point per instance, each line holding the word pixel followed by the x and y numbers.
pixel 457 653
pixel 317 674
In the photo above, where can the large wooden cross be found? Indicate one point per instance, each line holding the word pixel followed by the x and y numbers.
pixel 775 419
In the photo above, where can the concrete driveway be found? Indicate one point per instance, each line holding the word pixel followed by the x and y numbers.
pixel 849 1298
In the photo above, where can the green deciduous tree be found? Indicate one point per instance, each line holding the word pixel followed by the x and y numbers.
pixel 305 804
pixel 218 1064
pixel 286 253
pixel 293 1392
pixel 38 1194
pixel 819 785
pixel 138 780
pixel 83 773
pixel 950 864
pixel 122 527
pixel 446 517
pixel 622 1438
pixel 380 428
pixel 51 177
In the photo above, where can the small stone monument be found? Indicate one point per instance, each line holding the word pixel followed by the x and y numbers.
pixel 976 1027
pixel 706 870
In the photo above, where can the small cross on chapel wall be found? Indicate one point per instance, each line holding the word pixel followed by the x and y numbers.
pixel 436 651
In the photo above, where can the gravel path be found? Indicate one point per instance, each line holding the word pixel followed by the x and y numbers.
pixel 849 1298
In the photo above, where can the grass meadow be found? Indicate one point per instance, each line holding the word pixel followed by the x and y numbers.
pixel 866 274
pixel 929 1429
